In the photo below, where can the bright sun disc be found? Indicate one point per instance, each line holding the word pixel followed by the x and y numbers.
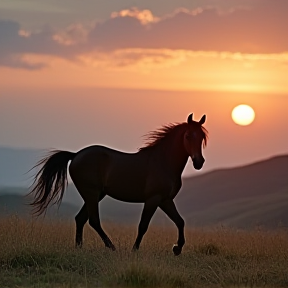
pixel 243 115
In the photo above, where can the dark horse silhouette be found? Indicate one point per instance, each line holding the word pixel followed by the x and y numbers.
pixel 151 176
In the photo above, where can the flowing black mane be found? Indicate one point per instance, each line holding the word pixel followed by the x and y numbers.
pixel 156 137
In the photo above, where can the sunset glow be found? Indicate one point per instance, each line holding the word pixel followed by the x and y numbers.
pixel 160 69
pixel 81 73
pixel 136 44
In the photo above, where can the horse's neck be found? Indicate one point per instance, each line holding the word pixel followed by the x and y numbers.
pixel 173 154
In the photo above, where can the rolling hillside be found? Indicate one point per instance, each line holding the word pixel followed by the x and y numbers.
pixel 241 197
pixel 16 204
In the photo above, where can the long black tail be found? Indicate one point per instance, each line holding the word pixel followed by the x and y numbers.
pixel 51 180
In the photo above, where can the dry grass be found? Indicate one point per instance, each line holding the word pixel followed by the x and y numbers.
pixel 42 254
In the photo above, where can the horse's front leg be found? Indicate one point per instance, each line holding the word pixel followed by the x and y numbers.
pixel 168 206
pixel 149 209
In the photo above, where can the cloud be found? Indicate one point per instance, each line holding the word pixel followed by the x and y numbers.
pixel 143 60
pixel 15 43
pixel 74 34
pixel 18 61
pixel 257 30
pixel 146 60
pixel 144 16
pixel 244 30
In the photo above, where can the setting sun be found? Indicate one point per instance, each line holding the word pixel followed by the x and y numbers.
pixel 243 115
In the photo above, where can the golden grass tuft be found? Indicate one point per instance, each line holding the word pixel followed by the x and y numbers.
pixel 42 254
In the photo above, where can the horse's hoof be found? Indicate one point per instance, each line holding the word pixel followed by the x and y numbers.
pixel 78 245
pixel 134 249
pixel 112 247
pixel 176 250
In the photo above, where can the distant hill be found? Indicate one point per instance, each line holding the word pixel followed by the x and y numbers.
pixel 13 201
pixel 241 197
pixel 15 204
pixel 248 195
pixel 15 165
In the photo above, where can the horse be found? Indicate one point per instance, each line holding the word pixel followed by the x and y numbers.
pixel 152 176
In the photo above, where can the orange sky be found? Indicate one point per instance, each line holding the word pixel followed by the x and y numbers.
pixel 75 118
pixel 184 70
pixel 112 78
pixel 209 46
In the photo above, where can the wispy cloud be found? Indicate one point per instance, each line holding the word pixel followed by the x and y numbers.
pixel 143 16
pixel 146 60
pixel 16 42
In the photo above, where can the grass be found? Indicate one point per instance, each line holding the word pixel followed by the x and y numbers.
pixel 42 254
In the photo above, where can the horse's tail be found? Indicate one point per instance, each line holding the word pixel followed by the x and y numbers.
pixel 51 180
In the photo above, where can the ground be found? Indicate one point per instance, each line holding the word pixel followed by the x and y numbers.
pixel 42 254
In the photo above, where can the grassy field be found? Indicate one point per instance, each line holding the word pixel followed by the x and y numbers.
pixel 42 254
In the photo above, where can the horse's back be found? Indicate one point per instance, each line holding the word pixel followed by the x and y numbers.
pixel 120 175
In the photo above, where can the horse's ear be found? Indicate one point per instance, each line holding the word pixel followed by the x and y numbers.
pixel 202 120
pixel 190 117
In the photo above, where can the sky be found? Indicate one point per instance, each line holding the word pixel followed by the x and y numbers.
pixel 76 73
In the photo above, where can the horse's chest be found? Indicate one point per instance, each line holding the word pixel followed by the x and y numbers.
pixel 174 190
pixel 164 186
pixel 173 193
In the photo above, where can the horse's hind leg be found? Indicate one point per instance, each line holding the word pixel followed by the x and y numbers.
pixel 81 219
pixel 94 221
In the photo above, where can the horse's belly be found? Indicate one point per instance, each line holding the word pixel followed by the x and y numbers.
pixel 126 178
pixel 125 194
pixel 124 188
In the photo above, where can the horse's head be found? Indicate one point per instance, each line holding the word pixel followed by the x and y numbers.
pixel 194 137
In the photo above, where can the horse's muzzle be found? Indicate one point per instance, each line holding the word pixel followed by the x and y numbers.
pixel 198 162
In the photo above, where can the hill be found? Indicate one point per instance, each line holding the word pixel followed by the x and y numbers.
pixel 15 204
pixel 242 197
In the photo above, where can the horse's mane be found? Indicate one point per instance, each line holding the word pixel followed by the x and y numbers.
pixel 154 138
